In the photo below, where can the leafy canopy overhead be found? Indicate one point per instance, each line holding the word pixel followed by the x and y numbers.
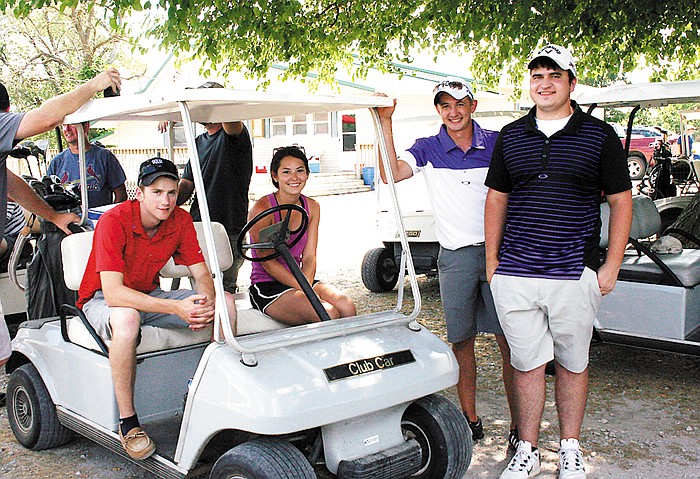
pixel 608 37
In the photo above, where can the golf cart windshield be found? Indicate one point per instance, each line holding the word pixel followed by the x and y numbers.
pixel 191 106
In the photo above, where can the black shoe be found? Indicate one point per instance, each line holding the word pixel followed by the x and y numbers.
pixel 476 427
pixel 513 439
pixel 2 399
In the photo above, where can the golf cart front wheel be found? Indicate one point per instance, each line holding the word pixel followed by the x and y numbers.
pixel 444 437
pixel 379 270
pixel 263 459
pixel 31 412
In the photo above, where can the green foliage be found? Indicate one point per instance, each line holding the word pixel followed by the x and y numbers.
pixel 53 49
pixel 609 37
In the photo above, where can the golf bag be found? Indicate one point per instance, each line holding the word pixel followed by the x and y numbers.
pixel 46 291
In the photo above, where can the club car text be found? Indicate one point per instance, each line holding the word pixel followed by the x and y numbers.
pixel 369 365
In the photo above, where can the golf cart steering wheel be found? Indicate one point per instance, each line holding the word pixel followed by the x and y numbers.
pixel 274 235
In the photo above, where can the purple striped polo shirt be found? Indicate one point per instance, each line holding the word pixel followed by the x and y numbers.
pixel 555 187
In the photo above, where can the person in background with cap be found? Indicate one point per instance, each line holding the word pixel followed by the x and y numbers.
pixel 226 158
pixel 120 288
pixel 542 225
pixel 15 127
pixel 105 176
pixel 454 164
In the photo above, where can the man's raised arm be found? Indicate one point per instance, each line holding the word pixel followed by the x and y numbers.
pixel 52 112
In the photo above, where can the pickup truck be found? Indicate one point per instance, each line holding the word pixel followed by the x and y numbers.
pixel 640 152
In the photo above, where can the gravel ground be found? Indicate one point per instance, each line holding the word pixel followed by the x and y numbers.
pixel 642 418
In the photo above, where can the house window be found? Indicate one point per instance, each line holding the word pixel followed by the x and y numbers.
pixel 179 138
pixel 299 124
pixel 278 126
pixel 321 124
pixel 349 133
pixel 258 129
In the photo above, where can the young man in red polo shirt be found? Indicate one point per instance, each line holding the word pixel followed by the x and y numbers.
pixel 120 288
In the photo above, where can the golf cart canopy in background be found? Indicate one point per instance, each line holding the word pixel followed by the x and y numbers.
pixel 643 95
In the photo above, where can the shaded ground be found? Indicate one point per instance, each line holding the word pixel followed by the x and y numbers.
pixel 642 417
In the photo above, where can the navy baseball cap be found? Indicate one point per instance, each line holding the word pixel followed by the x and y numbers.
pixel 154 168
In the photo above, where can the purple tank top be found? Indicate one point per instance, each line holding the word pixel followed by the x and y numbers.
pixel 258 274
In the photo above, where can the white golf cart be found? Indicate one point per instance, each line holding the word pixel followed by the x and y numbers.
pixel 656 303
pixel 265 401
pixel 653 95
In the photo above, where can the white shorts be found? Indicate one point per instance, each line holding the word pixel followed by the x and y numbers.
pixel 5 342
pixel 545 319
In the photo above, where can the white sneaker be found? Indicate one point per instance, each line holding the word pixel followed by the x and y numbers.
pixel 571 464
pixel 525 463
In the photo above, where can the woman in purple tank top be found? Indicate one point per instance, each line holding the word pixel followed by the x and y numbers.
pixel 274 290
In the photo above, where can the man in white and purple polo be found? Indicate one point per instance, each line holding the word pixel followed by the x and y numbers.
pixel 454 164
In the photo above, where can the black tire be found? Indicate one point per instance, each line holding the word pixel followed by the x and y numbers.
pixel 443 434
pixel 637 166
pixel 31 412
pixel 263 459
pixel 379 270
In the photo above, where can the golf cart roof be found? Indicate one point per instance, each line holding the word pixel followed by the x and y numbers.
pixel 214 105
pixel 644 95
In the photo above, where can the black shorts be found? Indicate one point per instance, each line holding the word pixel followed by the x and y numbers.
pixel 265 293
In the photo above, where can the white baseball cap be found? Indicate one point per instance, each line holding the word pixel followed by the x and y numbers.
pixel 558 54
pixel 453 86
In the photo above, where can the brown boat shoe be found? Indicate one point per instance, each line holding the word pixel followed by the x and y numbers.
pixel 137 444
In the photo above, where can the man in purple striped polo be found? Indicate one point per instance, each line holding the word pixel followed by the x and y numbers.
pixel 454 164
pixel 549 172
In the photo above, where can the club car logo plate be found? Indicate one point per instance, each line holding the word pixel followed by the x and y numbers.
pixel 369 365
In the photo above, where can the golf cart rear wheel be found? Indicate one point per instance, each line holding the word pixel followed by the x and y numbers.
pixel 379 270
pixel 444 437
pixel 32 413
pixel 263 459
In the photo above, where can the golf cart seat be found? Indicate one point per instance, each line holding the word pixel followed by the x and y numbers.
pixel 643 265
pixel 75 250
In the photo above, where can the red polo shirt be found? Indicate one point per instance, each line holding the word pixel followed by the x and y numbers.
pixel 121 244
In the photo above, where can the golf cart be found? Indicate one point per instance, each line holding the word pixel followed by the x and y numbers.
pixel 653 95
pixel 656 303
pixel 381 266
pixel 357 394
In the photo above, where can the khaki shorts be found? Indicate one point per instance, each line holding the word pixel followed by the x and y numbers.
pixel 545 319
pixel 98 313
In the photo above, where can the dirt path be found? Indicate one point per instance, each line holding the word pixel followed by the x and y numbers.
pixel 642 418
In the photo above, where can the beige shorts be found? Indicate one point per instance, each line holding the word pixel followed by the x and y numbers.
pixel 545 319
